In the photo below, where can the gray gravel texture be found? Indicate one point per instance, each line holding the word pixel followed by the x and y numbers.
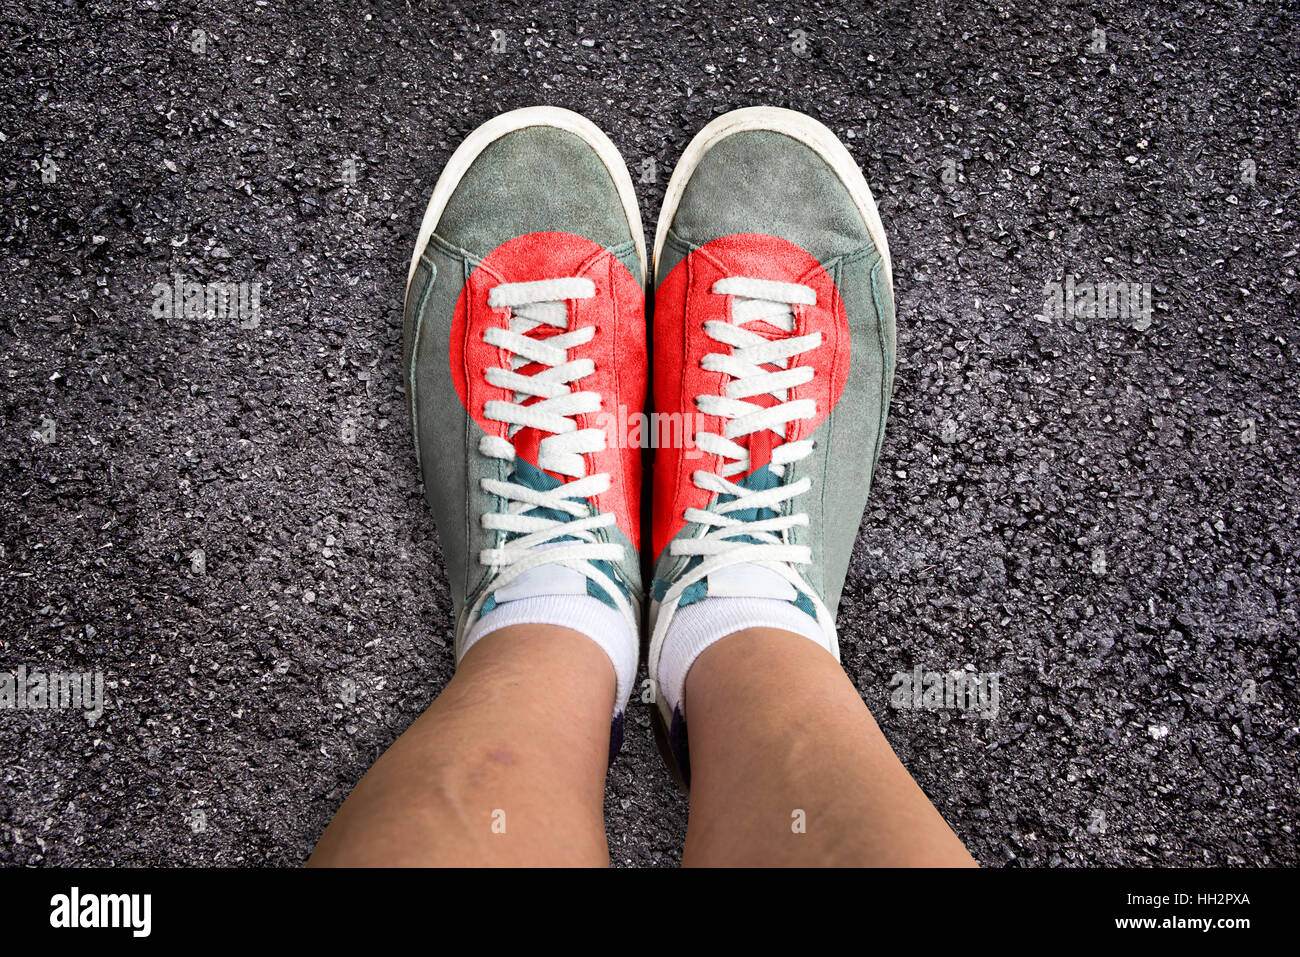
pixel 1101 510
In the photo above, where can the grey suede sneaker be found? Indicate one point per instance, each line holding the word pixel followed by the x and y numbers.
pixel 524 334
pixel 774 342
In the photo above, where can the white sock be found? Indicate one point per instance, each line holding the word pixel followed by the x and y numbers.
pixel 556 595
pixel 698 625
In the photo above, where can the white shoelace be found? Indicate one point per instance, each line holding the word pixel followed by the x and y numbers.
pixel 717 543
pixel 533 304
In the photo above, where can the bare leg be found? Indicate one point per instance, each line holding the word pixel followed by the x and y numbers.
pixel 506 767
pixel 788 766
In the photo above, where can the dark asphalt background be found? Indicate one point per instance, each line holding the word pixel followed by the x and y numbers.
pixel 1106 515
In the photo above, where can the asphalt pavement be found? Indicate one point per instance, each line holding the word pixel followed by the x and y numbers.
pixel 1093 507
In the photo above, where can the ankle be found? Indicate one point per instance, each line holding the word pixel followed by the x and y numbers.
pixel 701 626
pixel 763 676
pixel 536 662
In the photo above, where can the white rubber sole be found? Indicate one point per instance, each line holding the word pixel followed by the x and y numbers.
pixel 499 126
pixel 797 126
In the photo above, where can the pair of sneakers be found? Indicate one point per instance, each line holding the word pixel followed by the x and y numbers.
pixel 527 374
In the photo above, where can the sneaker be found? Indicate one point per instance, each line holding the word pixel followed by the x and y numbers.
pixel 524 333
pixel 774 342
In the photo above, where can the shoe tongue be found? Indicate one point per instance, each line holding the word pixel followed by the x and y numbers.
pixel 552 579
pixel 750 581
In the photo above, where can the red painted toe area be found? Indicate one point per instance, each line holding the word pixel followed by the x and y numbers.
pixel 684 302
pixel 618 351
